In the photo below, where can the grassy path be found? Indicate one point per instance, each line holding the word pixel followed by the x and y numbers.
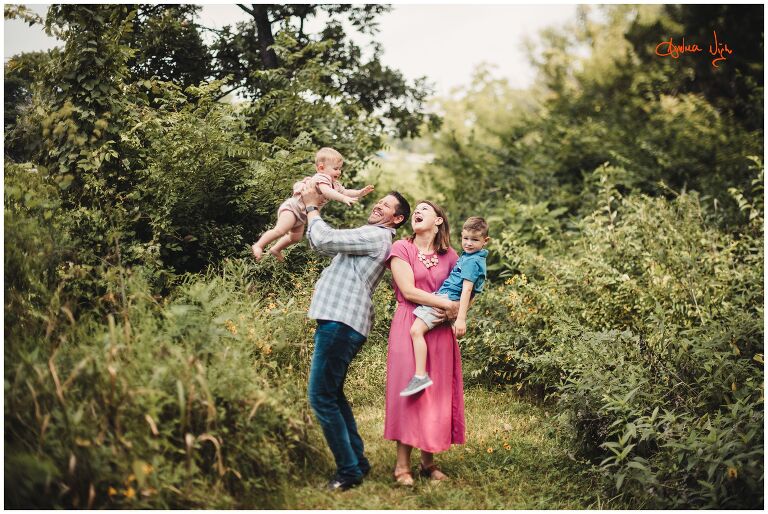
pixel 514 459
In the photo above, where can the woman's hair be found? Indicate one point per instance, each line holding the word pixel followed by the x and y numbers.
pixel 442 240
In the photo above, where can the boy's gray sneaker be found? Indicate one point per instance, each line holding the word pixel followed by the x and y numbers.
pixel 415 385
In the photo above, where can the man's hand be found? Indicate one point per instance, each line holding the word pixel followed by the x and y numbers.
pixel 460 328
pixel 310 195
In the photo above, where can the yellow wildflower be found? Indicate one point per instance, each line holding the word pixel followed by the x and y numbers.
pixel 130 493
pixel 489 450
pixel 148 469
pixel 111 491
pixel 231 327
pixel 732 473
pixel 507 446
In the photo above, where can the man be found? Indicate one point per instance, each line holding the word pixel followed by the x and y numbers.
pixel 343 307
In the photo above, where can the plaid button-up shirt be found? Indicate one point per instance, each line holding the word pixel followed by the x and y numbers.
pixel 345 289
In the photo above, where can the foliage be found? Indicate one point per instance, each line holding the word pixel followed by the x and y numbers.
pixel 135 158
pixel 189 401
pixel 600 98
pixel 245 51
pixel 646 326
pixel 169 45
pixel 625 273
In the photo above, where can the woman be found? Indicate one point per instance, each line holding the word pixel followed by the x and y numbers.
pixel 433 419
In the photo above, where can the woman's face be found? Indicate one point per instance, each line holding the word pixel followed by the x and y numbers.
pixel 424 219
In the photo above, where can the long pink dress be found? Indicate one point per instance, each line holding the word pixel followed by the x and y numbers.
pixel 431 420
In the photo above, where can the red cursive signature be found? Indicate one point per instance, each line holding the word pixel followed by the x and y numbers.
pixel 718 50
pixel 670 49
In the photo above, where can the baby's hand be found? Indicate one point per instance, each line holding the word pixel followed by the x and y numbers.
pixel 367 189
pixel 349 201
pixel 460 328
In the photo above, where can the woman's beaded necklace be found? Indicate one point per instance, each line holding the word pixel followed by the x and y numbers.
pixel 428 262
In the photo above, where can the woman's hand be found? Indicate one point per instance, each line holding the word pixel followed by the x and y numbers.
pixel 451 311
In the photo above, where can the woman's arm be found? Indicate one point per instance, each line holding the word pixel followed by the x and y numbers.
pixel 403 275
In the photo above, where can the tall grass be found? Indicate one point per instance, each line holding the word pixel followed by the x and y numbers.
pixel 195 400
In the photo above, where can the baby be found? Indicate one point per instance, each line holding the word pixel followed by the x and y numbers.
pixel 291 216
pixel 465 280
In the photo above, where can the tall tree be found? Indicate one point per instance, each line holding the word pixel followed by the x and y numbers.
pixel 241 52
pixel 169 45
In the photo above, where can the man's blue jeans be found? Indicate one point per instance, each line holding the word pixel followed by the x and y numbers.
pixel 336 344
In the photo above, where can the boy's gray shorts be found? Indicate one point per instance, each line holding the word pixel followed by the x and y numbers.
pixel 427 314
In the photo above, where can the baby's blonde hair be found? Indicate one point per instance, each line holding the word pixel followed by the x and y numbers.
pixel 328 155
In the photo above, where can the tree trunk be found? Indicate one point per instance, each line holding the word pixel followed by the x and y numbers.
pixel 264 34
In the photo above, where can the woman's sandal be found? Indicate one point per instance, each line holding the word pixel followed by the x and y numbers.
pixel 430 471
pixel 404 477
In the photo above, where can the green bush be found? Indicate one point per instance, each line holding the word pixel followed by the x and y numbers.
pixel 647 328
pixel 196 400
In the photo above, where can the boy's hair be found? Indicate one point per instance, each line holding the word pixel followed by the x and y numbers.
pixel 476 224
pixel 403 207
pixel 326 155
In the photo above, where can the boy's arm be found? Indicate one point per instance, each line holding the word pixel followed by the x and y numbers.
pixel 460 326
pixel 331 194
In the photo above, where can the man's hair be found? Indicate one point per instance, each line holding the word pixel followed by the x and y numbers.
pixel 476 224
pixel 403 207
pixel 326 155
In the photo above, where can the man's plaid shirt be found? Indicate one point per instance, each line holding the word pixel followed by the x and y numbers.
pixel 344 291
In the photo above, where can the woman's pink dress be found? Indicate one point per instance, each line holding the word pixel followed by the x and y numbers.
pixel 433 419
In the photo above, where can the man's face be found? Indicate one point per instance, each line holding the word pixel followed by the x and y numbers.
pixel 383 212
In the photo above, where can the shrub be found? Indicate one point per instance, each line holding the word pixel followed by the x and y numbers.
pixel 197 400
pixel 646 327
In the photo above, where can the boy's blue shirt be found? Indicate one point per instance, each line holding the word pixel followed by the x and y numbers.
pixel 470 266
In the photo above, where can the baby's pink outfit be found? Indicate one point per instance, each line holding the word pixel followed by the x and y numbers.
pixel 295 205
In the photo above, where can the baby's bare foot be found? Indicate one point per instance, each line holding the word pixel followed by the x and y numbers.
pixel 257 252
pixel 278 254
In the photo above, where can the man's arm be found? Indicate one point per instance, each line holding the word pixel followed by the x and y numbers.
pixel 460 327
pixel 357 241
pixel 365 240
